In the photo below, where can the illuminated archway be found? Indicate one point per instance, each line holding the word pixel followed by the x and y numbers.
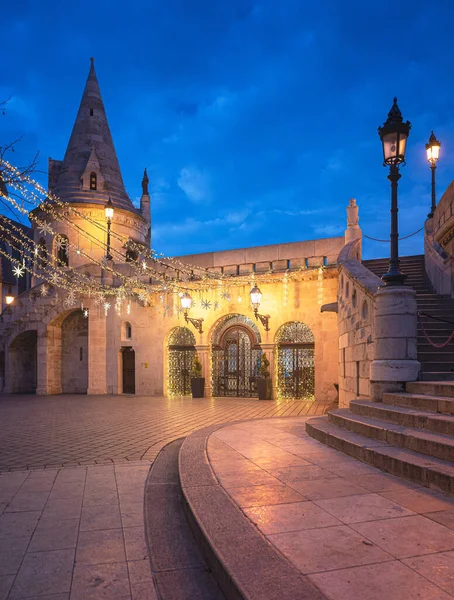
pixel 181 352
pixel 295 364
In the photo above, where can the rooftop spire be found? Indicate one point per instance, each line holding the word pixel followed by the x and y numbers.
pixel 91 142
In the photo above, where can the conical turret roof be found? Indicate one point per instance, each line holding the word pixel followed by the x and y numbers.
pixel 91 148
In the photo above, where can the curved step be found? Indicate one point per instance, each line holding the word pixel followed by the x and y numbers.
pixel 427 471
pixel 407 417
pixel 245 564
pixel 421 401
pixel 425 442
pixel 434 388
pixel 178 568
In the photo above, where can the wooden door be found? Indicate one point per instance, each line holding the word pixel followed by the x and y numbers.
pixel 129 371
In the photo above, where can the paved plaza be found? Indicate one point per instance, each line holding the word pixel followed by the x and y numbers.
pixel 71 490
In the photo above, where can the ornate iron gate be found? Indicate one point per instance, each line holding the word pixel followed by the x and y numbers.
pixel 295 361
pixel 181 358
pixel 235 363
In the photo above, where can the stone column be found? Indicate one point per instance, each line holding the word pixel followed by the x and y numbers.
pixel 97 351
pixel 268 350
pixel 204 356
pixel 49 361
pixel 395 325
pixel 353 231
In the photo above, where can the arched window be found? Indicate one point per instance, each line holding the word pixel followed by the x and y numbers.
pixel 93 181
pixel 61 250
pixel 42 254
pixel 131 255
pixel 126 332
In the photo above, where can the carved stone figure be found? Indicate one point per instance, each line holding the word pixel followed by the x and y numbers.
pixel 352 213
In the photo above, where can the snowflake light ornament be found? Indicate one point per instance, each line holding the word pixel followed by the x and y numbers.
pixel 54 279
pixel 18 270
pixel 44 228
pixel 70 300
pixel 205 304
pixel 106 307
pixel 85 311
pixel 225 296
pixel 44 290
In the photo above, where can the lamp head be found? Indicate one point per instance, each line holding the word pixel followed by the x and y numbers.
pixel 393 135
pixel 109 210
pixel 256 297
pixel 433 149
pixel 9 298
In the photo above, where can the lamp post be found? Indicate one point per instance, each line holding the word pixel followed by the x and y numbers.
pixel 393 135
pixel 186 303
pixel 256 298
pixel 433 152
pixel 9 298
pixel 109 211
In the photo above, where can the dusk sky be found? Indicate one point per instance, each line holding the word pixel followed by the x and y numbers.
pixel 257 121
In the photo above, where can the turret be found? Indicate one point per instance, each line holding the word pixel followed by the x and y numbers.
pixel 145 209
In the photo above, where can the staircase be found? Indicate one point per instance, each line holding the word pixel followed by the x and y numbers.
pixel 437 364
pixel 408 434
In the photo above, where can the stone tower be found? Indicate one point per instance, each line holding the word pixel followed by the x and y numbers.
pixel 87 177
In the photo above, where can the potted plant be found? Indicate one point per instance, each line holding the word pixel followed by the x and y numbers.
pixel 264 385
pixel 197 381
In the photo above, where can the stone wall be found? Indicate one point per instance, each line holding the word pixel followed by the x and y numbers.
pixel 356 307
pixel 74 354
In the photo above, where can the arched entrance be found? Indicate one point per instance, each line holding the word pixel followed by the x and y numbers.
pixel 181 352
pixel 235 357
pixel 22 363
pixel 129 370
pixel 74 353
pixel 295 361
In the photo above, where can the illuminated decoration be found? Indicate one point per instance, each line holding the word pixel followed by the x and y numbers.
pixel 107 305
pixel 320 286
pixel 216 306
pixel 186 304
pixel 285 289
pixel 85 313
pixel 205 304
pixel 9 298
pixel 239 299
pixel 19 270
pixel 109 211
pixel 235 357
pixel 70 300
pixel 225 296
pixel 181 353
pixel 256 298
pixel 45 228
pixel 44 290
pixel 295 361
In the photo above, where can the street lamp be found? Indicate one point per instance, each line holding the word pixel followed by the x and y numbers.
pixel 9 298
pixel 433 152
pixel 186 303
pixel 109 211
pixel 256 297
pixel 393 135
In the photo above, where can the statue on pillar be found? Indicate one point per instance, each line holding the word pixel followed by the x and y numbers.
pixel 145 182
pixel 352 213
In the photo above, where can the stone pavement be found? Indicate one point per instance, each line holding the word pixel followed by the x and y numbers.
pixel 354 531
pixel 71 494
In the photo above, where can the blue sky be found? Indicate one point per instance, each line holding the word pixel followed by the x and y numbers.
pixel 256 120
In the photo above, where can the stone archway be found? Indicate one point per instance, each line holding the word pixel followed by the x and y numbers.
pixel 295 361
pixel 22 373
pixel 235 345
pixel 74 353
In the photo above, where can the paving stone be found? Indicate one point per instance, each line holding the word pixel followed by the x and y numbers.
pixel 290 517
pixel 101 582
pixel 55 535
pixel 444 517
pixel 62 508
pixel 98 547
pixel 135 543
pixel 420 500
pixel 262 495
pixel 5 585
pixel 326 549
pixel 27 501
pixel 21 524
pixel 365 507
pixel 12 551
pixel 100 516
pixel 383 581
pixel 407 536
pixel 44 573
pixel 142 586
pixel 437 568
pixel 318 489
pixel 290 474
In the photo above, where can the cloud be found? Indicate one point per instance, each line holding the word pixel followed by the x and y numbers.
pixel 195 184
pixel 329 230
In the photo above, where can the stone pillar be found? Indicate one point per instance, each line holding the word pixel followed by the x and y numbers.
pixel 49 361
pixel 353 231
pixel 395 325
pixel 97 351
pixel 268 350
pixel 204 356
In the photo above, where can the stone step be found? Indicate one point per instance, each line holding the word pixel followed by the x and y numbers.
pixel 432 388
pixel 437 376
pixel 414 466
pixel 407 417
pixel 436 404
pixel 419 440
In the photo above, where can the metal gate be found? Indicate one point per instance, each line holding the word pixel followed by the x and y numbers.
pixel 295 361
pixel 235 364
pixel 181 358
pixel 129 371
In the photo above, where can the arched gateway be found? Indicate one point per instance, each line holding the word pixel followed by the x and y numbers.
pixel 295 361
pixel 235 345
pixel 181 352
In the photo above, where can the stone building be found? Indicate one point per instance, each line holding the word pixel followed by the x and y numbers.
pixel 51 345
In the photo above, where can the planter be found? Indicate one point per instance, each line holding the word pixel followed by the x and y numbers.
pixel 198 387
pixel 265 388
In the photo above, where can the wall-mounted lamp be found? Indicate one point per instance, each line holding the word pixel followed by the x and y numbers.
pixel 256 297
pixel 186 303
pixel 109 211
pixel 9 298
